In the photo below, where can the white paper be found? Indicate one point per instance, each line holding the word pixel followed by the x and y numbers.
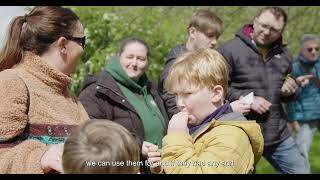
pixel 249 98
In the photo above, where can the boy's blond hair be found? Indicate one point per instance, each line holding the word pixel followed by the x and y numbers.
pixel 201 68
pixel 207 22
pixel 100 141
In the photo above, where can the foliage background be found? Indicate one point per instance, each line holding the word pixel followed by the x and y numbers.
pixel 164 27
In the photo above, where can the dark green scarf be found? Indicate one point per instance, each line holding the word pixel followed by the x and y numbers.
pixel 142 101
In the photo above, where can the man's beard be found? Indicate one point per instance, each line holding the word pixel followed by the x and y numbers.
pixel 264 46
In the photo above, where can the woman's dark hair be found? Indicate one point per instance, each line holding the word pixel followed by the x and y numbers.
pixel 35 32
pixel 130 40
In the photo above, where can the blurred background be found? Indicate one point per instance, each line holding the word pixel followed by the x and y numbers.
pixel 164 27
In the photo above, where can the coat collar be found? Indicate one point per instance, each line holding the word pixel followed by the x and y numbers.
pixel 37 67
pixel 245 35
pixel 108 86
pixel 107 81
pixel 118 73
pixel 305 61
pixel 225 118
pixel 224 109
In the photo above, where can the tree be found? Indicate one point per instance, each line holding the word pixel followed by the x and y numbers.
pixel 164 27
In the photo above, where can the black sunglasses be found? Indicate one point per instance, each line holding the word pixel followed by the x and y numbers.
pixel 310 49
pixel 80 40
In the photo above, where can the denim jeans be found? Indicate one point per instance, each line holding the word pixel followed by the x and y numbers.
pixel 286 158
pixel 305 135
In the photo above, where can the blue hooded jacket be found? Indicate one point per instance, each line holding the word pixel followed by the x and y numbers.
pixel 307 105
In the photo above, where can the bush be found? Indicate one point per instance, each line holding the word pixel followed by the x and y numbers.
pixel 164 27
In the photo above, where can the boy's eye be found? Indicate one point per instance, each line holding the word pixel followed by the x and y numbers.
pixel 174 94
pixel 187 93
pixel 210 36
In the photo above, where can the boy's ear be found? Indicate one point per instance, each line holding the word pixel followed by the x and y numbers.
pixel 217 94
pixel 192 32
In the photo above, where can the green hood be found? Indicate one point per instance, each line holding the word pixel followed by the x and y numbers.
pixel 117 72
pixel 141 100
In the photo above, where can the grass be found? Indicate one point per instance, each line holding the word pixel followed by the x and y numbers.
pixel 263 166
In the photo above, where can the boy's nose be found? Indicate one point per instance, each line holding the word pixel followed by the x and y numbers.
pixel 180 104
pixel 213 42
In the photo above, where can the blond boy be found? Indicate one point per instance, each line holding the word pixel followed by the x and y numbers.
pixel 206 136
pixel 204 29
pixel 101 147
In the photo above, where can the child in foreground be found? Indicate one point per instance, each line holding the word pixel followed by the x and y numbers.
pixel 205 136
pixel 101 147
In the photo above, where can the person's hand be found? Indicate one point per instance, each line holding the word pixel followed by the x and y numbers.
pixel 294 126
pixel 52 159
pixel 304 80
pixel 289 87
pixel 260 105
pixel 178 123
pixel 240 106
pixel 145 148
pixel 154 158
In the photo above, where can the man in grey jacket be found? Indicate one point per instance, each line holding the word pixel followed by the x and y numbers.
pixel 261 64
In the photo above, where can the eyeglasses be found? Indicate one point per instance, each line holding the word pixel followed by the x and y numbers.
pixel 310 49
pixel 80 40
pixel 270 28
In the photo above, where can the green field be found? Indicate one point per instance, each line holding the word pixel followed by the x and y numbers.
pixel 264 167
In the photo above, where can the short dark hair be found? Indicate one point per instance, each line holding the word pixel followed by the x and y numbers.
pixel 278 12
pixel 130 40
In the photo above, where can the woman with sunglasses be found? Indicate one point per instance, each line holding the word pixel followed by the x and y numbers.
pixel 304 112
pixel 37 112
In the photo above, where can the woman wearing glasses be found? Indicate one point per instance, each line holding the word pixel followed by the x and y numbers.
pixel 123 94
pixel 37 112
